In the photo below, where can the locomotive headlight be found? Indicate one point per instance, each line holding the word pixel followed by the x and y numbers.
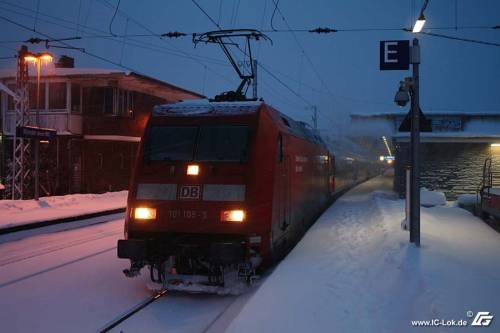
pixel 193 170
pixel 237 215
pixel 143 213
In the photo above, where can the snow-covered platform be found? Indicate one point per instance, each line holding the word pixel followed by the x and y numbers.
pixel 16 213
pixel 355 271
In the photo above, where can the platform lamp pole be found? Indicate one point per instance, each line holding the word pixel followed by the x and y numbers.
pixel 415 145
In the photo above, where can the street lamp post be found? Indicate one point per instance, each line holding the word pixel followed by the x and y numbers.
pixel 37 60
pixel 415 145
pixel 412 85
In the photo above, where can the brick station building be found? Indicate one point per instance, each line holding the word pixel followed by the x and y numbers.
pixel 99 115
pixel 452 155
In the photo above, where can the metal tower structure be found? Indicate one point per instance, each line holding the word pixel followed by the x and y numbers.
pixel 21 147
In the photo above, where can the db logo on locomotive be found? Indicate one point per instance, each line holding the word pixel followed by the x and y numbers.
pixel 190 192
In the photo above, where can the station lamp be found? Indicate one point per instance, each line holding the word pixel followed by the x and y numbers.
pixel 419 24
pixel 35 58
pixel 421 19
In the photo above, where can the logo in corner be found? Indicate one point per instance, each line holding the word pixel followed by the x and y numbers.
pixel 483 318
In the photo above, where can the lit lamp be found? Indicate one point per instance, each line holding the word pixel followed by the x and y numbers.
pixel 419 24
pixel 193 170
pixel 421 18
pixel 37 59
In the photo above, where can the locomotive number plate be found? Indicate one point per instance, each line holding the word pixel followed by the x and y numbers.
pixel 178 214
pixel 190 192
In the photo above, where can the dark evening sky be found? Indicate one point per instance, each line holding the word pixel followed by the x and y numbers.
pixel 338 72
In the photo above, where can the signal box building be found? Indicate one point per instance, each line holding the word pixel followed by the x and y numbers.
pixel 99 115
pixel 452 155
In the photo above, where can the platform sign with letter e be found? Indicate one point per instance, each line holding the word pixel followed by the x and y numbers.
pixel 394 55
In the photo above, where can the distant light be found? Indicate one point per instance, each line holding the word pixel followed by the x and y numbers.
pixel 193 169
pixel 381 158
pixel 495 144
pixel 419 24
pixel 390 161
pixel 44 141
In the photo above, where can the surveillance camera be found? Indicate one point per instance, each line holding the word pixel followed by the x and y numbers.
pixel 402 98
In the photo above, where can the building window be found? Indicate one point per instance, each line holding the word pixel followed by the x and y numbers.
pixel 100 161
pixel 124 103
pixel 57 95
pixel 122 161
pixel 107 102
pixel 10 99
pixel 76 97
pixel 98 100
pixel 32 90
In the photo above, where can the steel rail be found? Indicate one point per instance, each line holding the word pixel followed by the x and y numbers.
pixel 132 312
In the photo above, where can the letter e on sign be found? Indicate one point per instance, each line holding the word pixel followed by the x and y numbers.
pixel 394 55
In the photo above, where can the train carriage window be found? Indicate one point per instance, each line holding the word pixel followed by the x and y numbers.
pixel 223 143
pixel 170 143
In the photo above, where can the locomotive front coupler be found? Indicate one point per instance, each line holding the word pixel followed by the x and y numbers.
pixel 134 270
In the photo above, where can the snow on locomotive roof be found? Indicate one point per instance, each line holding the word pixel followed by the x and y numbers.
pixel 203 107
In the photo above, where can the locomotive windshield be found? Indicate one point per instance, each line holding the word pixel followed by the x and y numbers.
pixel 170 143
pixel 197 143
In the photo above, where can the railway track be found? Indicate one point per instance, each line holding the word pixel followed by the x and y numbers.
pixel 50 248
pixel 109 326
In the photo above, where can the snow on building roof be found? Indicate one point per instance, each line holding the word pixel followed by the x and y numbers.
pixel 392 114
pixel 450 137
pixel 52 71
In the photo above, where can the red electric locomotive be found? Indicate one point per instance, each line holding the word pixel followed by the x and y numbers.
pixel 222 188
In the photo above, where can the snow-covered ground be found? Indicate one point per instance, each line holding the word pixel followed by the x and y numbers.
pixel 17 212
pixel 355 271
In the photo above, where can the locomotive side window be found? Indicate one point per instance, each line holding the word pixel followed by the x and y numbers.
pixel 222 143
pixel 170 143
